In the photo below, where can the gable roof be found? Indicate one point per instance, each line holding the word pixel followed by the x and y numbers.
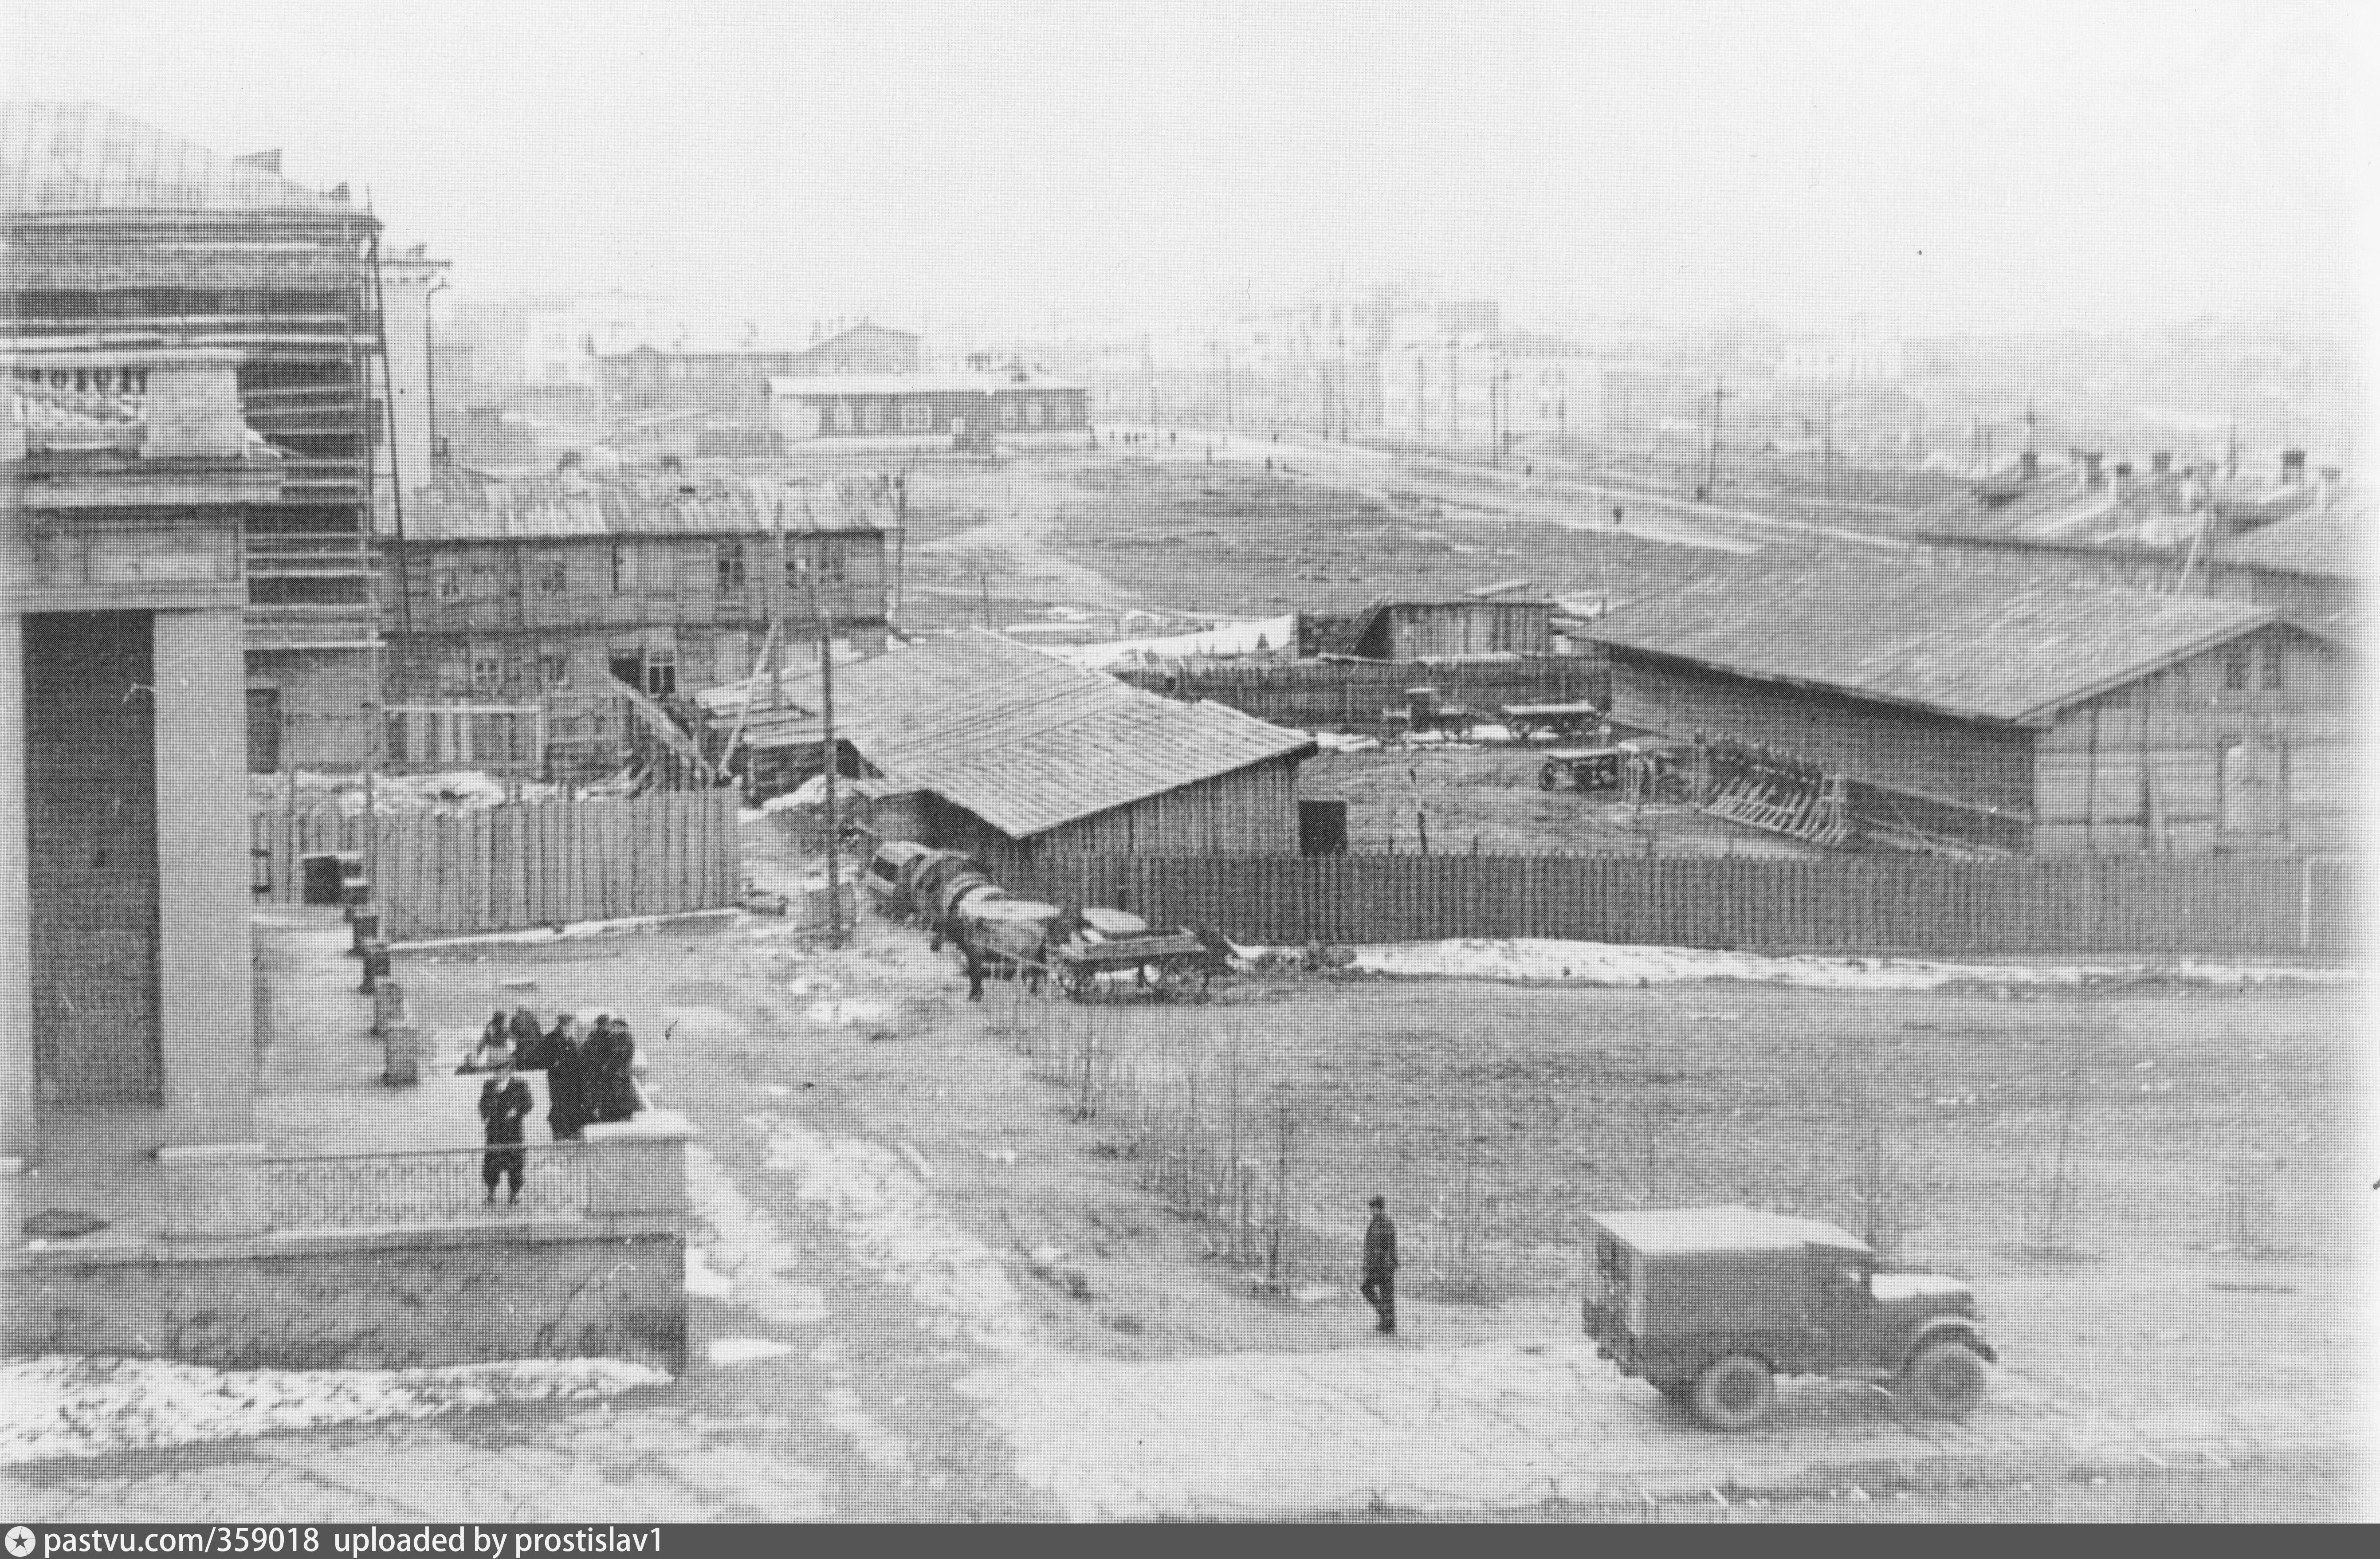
pixel 1024 740
pixel 917 384
pixel 59 157
pixel 1966 642
pixel 545 507
pixel 2325 545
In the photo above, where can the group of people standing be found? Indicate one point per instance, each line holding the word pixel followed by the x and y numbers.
pixel 590 1077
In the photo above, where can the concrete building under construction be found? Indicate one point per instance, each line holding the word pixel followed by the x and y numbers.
pixel 115 234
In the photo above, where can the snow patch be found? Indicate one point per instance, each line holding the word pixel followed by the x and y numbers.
pixel 1599 963
pixel 849 1013
pixel 749 1251
pixel 894 1229
pixel 66 1405
pixel 745 1350
pixel 700 1280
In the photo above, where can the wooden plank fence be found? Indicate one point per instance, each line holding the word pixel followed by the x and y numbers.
pixel 535 864
pixel 2218 905
pixel 1350 695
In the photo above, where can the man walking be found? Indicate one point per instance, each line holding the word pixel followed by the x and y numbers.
pixel 1380 1264
pixel 504 1103
pixel 974 966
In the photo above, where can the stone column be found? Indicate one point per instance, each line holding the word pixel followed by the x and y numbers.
pixel 205 976
pixel 16 1116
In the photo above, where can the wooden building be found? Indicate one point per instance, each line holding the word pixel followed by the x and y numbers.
pixel 729 380
pixel 1966 707
pixel 551 594
pixel 1432 630
pixel 918 412
pixel 1021 756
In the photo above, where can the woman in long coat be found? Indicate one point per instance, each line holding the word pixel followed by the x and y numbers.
pixel 611 1082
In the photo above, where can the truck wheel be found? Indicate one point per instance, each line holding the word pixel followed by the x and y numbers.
pixel 1735 1392
pixel 1548 775
pixel 1944 1381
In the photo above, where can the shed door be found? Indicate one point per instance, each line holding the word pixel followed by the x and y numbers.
pixel 91 792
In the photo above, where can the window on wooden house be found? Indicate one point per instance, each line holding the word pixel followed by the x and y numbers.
pixel 1008 414
pixel 552 576
pixel 2270 668
pixel 454 674
pixel 553 668
pixel 842 417
pixel 871 417
pixel 2237 661
pixel 917 416
pixel 730 565
pixel 661 673
pixel 1032 413
pixel 447 582
pixel 487 673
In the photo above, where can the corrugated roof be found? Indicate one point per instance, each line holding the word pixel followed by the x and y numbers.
pixel 1690 1230
pixel 1022 739
pixel 2325 545
pixel 1960 641
pixel 914 384
pixel 551 506
pixel 58 157
pixel 2147 511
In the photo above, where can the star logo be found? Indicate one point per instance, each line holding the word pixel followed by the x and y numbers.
pixel 20 1542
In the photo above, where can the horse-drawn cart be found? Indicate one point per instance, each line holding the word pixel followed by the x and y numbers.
pixel 1528 720
pixel 1170 963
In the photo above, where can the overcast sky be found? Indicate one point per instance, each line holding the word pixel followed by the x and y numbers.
pixel 1984 167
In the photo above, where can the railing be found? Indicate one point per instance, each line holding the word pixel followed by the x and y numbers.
pixel 437 1186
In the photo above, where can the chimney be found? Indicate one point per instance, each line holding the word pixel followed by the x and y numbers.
pixel 2161 462
pixel 2326 488
pixel 2116 482
pixel 2029 465
pixel 2091 476
pixel 2292 467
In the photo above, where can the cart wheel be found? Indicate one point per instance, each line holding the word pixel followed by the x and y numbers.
pixel 1074 979
pixel 1548 775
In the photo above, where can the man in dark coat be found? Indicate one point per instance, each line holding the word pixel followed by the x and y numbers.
pixel 1380 1264
pixel 504 1103
pixel 974 967
pixel 610 1089
pixel 563 1057
pixel 526 1036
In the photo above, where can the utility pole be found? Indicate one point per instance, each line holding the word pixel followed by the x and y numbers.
pixel 1710 476
pixel 826 710
pixel 2031 424
pixel 1343 354
pixel 1831 446
pixel 777 617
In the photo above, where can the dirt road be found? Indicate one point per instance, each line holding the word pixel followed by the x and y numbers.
pixel 878 1331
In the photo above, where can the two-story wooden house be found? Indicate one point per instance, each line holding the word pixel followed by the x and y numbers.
pixel 524 612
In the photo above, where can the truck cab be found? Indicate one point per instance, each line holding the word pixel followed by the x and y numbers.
pixel 1710 1303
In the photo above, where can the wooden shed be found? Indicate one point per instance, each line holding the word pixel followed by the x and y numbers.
pixel 1021 755
pixel 2048 717
pixel 1387 630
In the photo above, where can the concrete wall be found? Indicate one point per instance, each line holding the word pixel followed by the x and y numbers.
pixel 393 1300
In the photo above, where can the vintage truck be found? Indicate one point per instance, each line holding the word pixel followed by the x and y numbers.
pixel 1710 1304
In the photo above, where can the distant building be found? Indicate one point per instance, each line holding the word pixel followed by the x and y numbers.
pixel 548 592
pixel 562 344
pixel 730 379
pixel 1852 358
pixel 1965 708
pixel 1405 630
pixel 927 411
